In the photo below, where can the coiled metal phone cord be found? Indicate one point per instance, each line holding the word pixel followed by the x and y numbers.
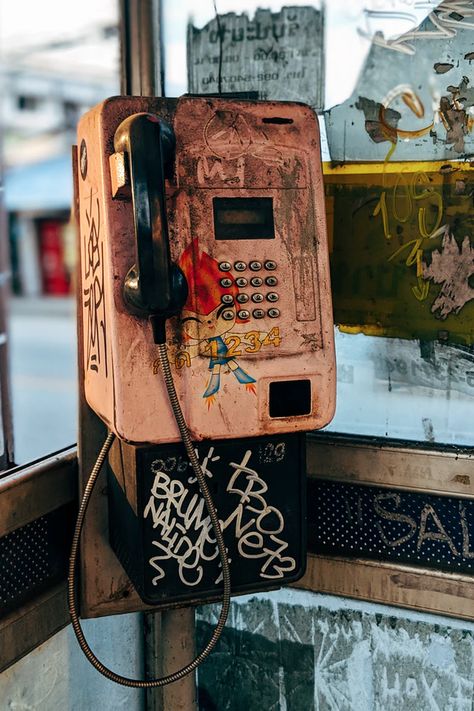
pixel 71 588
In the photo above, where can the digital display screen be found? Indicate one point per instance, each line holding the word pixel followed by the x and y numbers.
pixel 243 218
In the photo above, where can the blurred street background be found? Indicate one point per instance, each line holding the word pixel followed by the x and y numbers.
pixel 43 371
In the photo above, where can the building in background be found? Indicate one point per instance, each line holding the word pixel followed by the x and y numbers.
pixel 45 88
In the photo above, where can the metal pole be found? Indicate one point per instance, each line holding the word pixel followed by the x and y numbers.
pixel 169 637
pixel 6 417
pixel 141 48
pixel 178 649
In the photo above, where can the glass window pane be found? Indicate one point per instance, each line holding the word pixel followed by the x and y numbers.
pixel 55 66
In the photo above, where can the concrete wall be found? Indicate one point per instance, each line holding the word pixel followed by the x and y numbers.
pixel 57 677
pixel 298 651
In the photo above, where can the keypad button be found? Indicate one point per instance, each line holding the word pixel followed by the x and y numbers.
pixel 255 266
pixel 225 266
pixel 242 298
pixel 257 298
pixel 271 281
pixel 273 313
pixel 258 313
pixel 243 314
pixel 241 281
pixel 270 265
pixel 228 315
pixel 272 296
pixel 256 281
pixel 240 266
pixel 228 299
pixel 226 282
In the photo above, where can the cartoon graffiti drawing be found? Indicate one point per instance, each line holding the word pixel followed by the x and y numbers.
pixel 205 319
pixel 453 267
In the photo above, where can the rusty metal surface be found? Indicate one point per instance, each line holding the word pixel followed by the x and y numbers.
pixel 226 150
pixel 400 585
pixel 394 465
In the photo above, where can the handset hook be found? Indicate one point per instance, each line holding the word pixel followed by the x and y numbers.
pixel 154 286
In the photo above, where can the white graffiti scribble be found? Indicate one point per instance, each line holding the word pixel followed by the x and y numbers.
pixel 256 523
pixel 446 18
pixel 184 530
pixel 177 514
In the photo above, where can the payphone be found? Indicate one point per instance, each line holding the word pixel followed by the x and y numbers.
pixel 206 309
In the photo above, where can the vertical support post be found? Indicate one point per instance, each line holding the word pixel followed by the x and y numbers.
pixel 6 418
pixel 179 648
pixel 169 646
pixel 169 637
pixel 141 48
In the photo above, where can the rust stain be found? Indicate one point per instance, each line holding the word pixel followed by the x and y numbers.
pixel 446 587
pixel 462 479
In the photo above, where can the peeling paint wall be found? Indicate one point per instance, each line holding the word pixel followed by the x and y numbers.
pixel 284 651
pixel 299 651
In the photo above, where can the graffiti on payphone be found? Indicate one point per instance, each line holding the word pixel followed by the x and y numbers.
pixel 205 319
pixel 207 325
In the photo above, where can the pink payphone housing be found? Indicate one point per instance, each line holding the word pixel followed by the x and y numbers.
pixel 252 350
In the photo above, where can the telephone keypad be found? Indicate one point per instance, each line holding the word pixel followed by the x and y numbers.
pixel 256 282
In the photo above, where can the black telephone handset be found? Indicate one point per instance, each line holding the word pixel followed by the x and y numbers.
pixel 154 286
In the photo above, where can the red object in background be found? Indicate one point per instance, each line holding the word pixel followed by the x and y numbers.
pixel 53 269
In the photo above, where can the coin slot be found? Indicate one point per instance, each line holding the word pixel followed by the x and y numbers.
pixel 277 119
pixel 290 398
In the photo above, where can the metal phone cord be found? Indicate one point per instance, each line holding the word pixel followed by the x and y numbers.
pixel 71 587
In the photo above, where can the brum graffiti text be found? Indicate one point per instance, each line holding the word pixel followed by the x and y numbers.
pixel 185 532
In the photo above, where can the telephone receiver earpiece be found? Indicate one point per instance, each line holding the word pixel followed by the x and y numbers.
pixel 154 286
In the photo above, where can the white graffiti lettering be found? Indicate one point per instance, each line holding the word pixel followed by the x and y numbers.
pixel 177 514
pixel 256 523
pixel 184 530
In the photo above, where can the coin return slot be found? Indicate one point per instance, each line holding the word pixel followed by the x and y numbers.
pixel 290 398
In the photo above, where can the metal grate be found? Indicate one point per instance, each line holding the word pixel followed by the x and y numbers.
pixel 34 557
pixel 390 525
